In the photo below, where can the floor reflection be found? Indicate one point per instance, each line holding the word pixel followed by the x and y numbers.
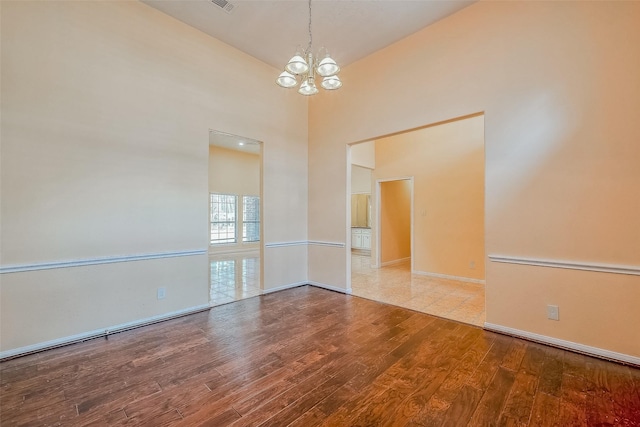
pixel 394 284
pixel 234 277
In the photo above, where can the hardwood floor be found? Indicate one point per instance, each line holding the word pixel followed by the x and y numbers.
pixel 306 357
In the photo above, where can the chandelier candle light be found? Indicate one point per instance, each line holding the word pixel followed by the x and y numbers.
pixel 304 64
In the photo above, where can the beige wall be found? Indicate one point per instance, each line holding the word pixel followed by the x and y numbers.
pixel 360 180
pixel 395 220
pixel 555 81
pixel 447 165
pixel 364 154
pixel 106 112
pixel 233 172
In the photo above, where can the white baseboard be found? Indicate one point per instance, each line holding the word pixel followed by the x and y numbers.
pixel 330 287
pixel 569 345
pixel 446 276
pixel 395 261
pixel 47 345
pixel 310 283
pixel 283 287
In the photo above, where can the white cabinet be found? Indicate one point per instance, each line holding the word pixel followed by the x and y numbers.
pixel 356 239
pixel 366 240
pixel 361 238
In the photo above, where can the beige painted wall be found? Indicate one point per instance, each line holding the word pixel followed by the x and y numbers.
pixel 106 111
pixel 555 81
pixel 233 172
pixel 364 154
pixel 360 180
pixel 395 220
pixel 447 165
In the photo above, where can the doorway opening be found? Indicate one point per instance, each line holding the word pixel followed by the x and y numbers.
pixel 395 221
pixel 235 220
pixel 432 258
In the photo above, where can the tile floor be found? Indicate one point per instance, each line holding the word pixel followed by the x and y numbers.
pixel 396 285
pixel 234 277
pixel 237 276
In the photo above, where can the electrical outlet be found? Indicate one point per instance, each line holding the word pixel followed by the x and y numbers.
pixel 472 265
pixel 553 312
pixel 162 293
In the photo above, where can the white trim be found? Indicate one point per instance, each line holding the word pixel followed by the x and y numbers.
pixel 412 227
pixel 399 178
pixel 446 276
pixel 307 283
pixel 283 287
pixel 395 261
pixel 329 287
pixel 283 244
pixel 580 348
pixel 347 202
pixel 96 261
pixel 47 345
pixel 304 242
pixel 332 244
pixel 251 141
pixel 572 265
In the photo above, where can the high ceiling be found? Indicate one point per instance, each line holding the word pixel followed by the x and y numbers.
pixel 233 142
pixel 271 30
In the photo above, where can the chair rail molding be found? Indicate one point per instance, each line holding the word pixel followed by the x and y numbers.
pixel 567 264
pixel 304 243
pixel 19 268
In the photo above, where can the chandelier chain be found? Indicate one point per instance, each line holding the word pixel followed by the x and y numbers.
pixel 310 33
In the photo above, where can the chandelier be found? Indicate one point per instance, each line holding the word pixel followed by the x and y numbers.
pixel 305 65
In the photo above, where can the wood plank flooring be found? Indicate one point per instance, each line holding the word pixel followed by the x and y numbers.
pixel 310 357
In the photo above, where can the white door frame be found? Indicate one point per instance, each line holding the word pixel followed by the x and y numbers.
pixel 348 222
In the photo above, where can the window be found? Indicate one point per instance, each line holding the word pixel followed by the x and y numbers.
pixel 250 219
pixel 223 218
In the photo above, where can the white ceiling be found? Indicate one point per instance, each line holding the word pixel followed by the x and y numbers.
pixel 234 142
pixel 271 30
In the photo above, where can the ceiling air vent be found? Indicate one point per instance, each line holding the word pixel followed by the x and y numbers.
pixel 225 5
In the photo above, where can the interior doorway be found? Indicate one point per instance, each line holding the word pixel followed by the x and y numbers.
pixel 441 270
pixel 395 221
pixel 235 222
